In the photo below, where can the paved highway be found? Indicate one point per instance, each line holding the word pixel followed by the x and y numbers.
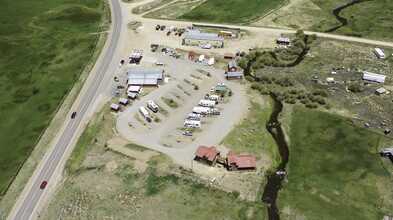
pixel 28 202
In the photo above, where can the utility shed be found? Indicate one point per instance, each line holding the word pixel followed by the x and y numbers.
pixel 240 162
pixel 134 89
pixel 145 77
pixel 132 95
pixel 123 101
pixel 115 107
pixel 373 77
pixel 207 155
pixel 380 91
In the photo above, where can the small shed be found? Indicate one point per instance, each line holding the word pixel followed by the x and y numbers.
pixel 123 101
pixel 132 95
pixel 228 56
pixel 380 91
pixel 134 89
pixel 115 107
pixel 191 55
pixel 207 155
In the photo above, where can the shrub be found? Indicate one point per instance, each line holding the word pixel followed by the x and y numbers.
pixel 312 105
pixel 355 87
pixel 196 87
pixel 249 78
pixel 320 92
pixel 290 101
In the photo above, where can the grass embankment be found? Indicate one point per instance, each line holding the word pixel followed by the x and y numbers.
pixel 335 171
pixel 251 136
pixel 231 11
pixel 45 45
pixel 170 102
pixel 122 190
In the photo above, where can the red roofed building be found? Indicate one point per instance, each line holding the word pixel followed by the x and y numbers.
pixel 207 155
pixel 240 162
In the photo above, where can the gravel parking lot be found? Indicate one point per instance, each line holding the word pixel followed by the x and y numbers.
pixel 166 135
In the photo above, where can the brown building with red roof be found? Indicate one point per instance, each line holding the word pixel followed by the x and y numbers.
pixel 207 155
pixel 240 162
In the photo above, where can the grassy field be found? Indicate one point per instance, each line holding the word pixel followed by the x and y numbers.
pixel 370 19
pixel 122 191
pixel 335 171
pixel 231 11
pixel 327 54
pixel 45 45
pixel 252 137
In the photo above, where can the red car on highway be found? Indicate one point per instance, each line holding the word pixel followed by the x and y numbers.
pixel 43 184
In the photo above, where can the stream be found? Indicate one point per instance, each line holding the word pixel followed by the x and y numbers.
pixel 344 21
pixel 274 181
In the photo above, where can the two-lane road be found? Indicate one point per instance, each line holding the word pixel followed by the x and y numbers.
pixel 27 203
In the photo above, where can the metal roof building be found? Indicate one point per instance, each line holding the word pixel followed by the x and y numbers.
pixel 373 77
pixel 145 77
pixel 235 75
pixel 197 38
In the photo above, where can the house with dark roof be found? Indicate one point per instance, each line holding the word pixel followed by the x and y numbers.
pixel 232 66
pixel 240 162
pixel 207 155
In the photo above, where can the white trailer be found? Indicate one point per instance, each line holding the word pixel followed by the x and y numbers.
pixel 193 116
pixel 152 106
pixel 143 112
pixel 380 54
pixel 192 124
pixel 207 103
pixel 201 58
pixel 373 77
pixel 214 97
pixel 201 110
pixel 211 61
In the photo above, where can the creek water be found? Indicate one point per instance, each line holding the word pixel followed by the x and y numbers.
pixel 274 181
pixel 342 20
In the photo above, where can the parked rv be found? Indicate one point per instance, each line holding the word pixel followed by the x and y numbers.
pixel 152 106
pixel 193 116
pixel 192 124
pixel 206 46
pixel 380 54
pixel 201 58
pixel 143 112
pixel 207 103
pixel 210 62
pixel 214 97
pixel 187 133
pixel 201 110
pixel 214 111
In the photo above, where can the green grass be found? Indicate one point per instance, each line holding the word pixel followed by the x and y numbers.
pixel 231 11
pixel 44 46
pixel 170 102
pixel 251 136
pixel 136 147
pixel 335 171
pixel 371 19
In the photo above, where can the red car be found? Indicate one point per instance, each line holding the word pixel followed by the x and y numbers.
pixel 43 184
pixel 168 33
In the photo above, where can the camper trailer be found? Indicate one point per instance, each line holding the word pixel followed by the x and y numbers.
pixel 192 124
pixel 152 106
pixel 207 103
pixel 201 110
pixel 380 54
pixel 193 116
pixel 201 58
pixel 214 97
pixel 143 112
pixel 211 61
